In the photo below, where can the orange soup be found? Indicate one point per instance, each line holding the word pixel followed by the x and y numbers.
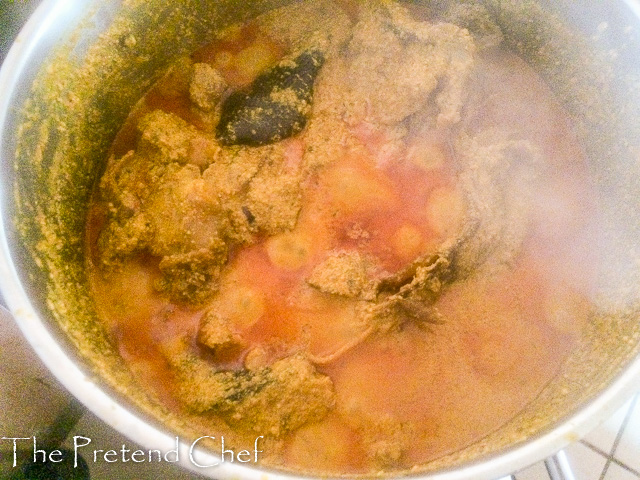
pixel 348 227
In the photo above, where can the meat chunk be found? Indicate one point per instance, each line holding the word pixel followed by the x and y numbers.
pixel 394 65
pixel 274 201
pixel 159 201
pixel 124 187
pixel 170 139
pixel 451 57
pixel 341 273
pixel 410 294
pixel 497 174
pixel 291 393
pixel 207 86
pixel 122 237
pixel 217 334
pixel 192 277
pixel 172 217
pixel 322 24
pixel 183 215
pixel 270 400
pixel 475 17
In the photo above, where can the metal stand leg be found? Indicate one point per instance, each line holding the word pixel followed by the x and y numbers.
pixel 558 467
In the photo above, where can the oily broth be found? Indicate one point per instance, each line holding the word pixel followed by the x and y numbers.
pixel 414 393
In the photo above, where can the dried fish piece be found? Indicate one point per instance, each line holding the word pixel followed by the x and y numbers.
pixel 276 106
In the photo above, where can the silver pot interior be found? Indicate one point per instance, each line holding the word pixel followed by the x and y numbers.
pixel 62 127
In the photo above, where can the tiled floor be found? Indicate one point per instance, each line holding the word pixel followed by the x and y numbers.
pixel 610 452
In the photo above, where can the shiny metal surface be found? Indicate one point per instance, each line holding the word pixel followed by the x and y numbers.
pixel 558 467
pixel 52 21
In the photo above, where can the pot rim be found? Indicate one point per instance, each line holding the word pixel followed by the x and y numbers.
pixel 13 74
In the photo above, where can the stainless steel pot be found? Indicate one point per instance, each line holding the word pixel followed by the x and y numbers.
pixel 78 66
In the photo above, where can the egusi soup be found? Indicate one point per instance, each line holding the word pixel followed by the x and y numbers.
pixel 347 227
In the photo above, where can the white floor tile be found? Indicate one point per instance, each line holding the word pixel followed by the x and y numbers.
pixel 604 436
pixel 615 472
pixel 628 450
pixel 585 463
pixel 534 472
